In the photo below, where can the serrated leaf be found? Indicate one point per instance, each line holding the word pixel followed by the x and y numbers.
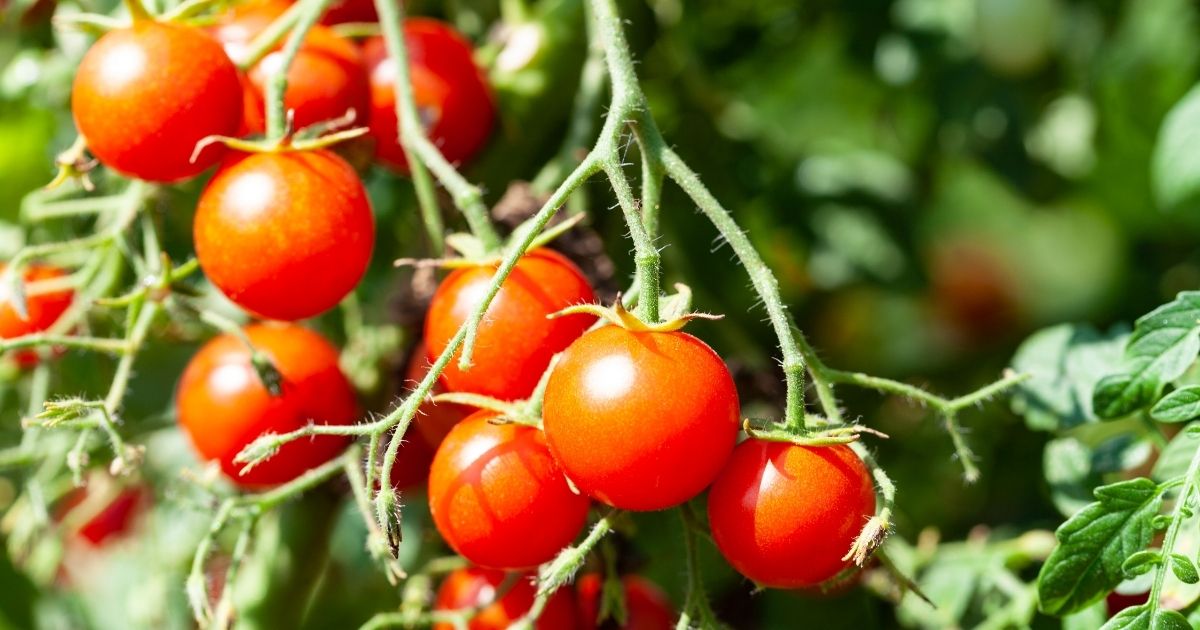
pixel 1064 363
pixel 1177 455
pixel 1175 169
pixel 1183 569
pixel 1163 345
pixel 1093 545
pixel 1180 405
pixel 1140 562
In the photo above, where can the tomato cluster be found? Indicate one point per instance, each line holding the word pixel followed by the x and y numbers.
pixel 42 309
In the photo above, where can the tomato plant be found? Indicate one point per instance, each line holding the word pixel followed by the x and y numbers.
pixel 452 97
pixel 620 438
pixel 223 405
pixel 500 600
pixel 144 96
pixel 516 340
pixel 285 235
pixel 647 608
pixel 497 496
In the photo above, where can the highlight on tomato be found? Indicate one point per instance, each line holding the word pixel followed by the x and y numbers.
pixel 145 95
pixel 223 406
pixel 785 516
pixel 285 235
pixel 497 496
pixel 640 420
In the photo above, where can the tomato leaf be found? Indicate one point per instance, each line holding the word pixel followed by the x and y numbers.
pixel 1177 455
pixel 1183 569
pixel 1064 363
pixel 1175 169
pixel 1140 562
pixel 1143 618
pixel 1180 405
pixel 1163 344
pixel 1095 543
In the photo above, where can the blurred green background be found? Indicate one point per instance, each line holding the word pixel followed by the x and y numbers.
pixel 931 180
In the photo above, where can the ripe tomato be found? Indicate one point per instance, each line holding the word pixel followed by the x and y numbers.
pixel 347 11
pixel 515 341
pixel 145 95
pixel 640 420
pixel 785 515
pixel 647 607
pixel 223 406
pixel 429 427
pixel 453 99
pixel 43 309
pixel 498 498
pixel 468 588
pixel 285 235
pixel 326 79
pixel 114 520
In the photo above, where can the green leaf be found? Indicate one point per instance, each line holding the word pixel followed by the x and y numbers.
pixel 1140 562
pixel 1141 618
pixel 1067 464
pixel 1064 363
pixel 1170 620
pixel 1183 569
pixel 1163 344
pixel 1175 170
pixel 1087 619
pixel 1095 543
pixel 1177 455
pixel 1180 405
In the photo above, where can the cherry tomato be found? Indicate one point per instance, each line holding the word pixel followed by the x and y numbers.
pixel 285 235
pixel 326 79
pixel 498 498
pixel 646 605
pixel 223 406
pixel 114 520
pixel 431 424
pixel 640 420
pixel 468 588
pixel 785 515
pixel 43 309
pixel 516 341
pixel 145 95
pixel 453 99
pixel 348 11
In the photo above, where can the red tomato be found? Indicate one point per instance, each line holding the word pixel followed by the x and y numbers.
pixel 223 406
pixel 640 420
pixel 647 607
pixel 145 95
pixel 114 520
pixel 498 498
pixel 285 235
pixel 326 79
pixel 453 99
pixel 515 341
pixel 785 515
pixel 347 11
pixel 43 309
pixel 468 588
pixel 429 427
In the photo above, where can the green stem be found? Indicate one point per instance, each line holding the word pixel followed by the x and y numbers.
pixel 269 38
pixel 136 336
pixel 697 598
pixel 277 120
pixel 646 257
pixel 1177 520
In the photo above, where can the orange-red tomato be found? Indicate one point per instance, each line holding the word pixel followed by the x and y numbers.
pixel 43 309
pixel 785 515
pixel 223 406
pixel 640 420
pixel 516 341
pixel 326 79
pixel 646 605
pixel 347 11
pixel 498 498
pixel 285 235
pixel 453 99
pixel 468 588
pixel 114 520
pixel 145 95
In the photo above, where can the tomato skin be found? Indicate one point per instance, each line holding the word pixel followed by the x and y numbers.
pixel 326 79
pixel 785 515
pixel 467 588
pixel 145 95
pixel 285 235
pixel 640 420
pixel 498 498
pixel 515 341
pixel 347 11
pixel 646 605
pixel 43 309
pixel 223 406
pixel 116 519
pixel 452 96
